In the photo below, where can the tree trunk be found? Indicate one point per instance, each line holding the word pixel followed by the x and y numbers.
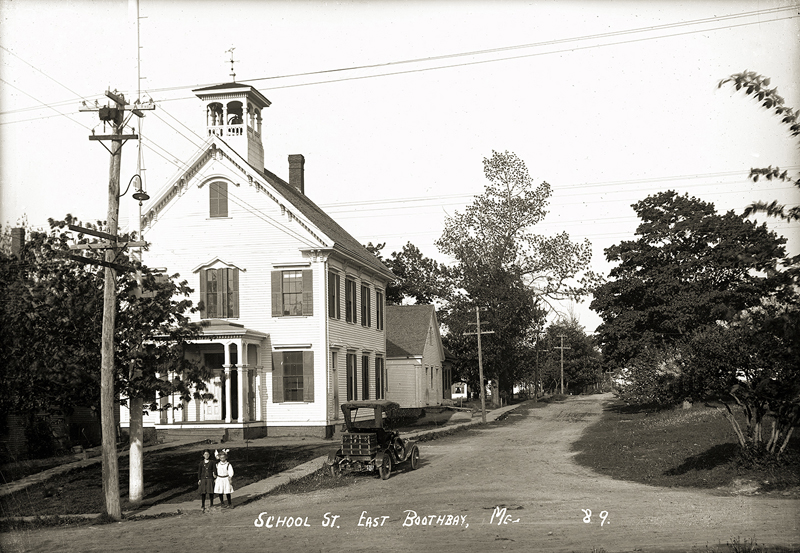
pixel 786 441
pixel 496 392
pixel 736 428
pixel 136 475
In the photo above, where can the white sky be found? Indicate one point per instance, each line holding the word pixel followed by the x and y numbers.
pixel 390 150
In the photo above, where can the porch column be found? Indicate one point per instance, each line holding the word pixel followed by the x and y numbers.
pixel 241 373
pixel 227 380
pixel 246 414
pixel 259 415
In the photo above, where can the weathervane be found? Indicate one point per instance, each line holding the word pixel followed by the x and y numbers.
pixel 233 74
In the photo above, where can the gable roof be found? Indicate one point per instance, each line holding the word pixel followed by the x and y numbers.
pixel 343 241
pixel 407 329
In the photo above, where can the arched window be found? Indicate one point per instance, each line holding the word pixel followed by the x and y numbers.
pixel 218 199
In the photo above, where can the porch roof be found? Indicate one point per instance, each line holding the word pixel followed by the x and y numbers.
pixel 219 328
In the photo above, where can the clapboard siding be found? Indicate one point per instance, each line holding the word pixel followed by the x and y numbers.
pixel 261 235
pixel 402 380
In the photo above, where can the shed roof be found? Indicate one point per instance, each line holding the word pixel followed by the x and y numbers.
pixel 407 329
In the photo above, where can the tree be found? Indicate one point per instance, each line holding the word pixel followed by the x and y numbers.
pixel 582 368
pixel 416 277
pixel 689 268
pixel 52 307
pixel 752 363
pixel 757 86
pixel 503 266
pixel 509 310
pixel 496 231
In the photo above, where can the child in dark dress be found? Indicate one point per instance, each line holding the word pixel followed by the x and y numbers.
pixel 206 474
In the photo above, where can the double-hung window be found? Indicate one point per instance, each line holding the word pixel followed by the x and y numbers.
pixel 218 199
pixel 379 309
pixel 351 377
pixel 350 300
pixel 380 378
pixel 365 306
pixel 292 293
pixel 365 377
pixel 219 292
pixel 334 303
pixel 293 376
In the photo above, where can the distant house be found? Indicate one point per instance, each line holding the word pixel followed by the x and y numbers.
pixel 294 305
pixel 460 390
pixel 418 372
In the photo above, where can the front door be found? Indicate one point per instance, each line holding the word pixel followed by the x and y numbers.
pixel 214 409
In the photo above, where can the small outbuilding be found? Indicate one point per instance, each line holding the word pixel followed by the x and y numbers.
pixel 417 371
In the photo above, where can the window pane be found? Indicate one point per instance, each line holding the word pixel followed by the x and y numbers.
pixel 293 376
pixel 211 293
pixel 365 377
pixel 218 199
pixel 351 376
pixel 333 296
pixel 292 292
pixel 350 300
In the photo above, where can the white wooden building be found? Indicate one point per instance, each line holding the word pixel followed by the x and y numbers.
pixel 294 304
pixel 419 374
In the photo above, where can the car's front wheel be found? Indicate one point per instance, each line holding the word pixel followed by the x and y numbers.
pixel 385 470
pixel 414 457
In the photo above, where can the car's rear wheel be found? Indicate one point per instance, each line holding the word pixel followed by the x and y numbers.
pixel 414 458
pixel 385 470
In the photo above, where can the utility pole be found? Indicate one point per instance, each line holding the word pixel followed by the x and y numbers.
pixel 536 370
pixel 480 359
pixel 562 348
pixel 115 116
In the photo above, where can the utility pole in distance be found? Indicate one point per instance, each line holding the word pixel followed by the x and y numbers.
pixel 115 116
pixel 562 348
pixel 480 359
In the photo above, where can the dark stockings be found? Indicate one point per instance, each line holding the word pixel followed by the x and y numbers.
pixel 203 499
pixel 221 500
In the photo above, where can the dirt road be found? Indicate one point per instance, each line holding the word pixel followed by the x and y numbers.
pixel 455 502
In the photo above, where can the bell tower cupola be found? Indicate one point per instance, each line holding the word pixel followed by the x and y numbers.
pixel 233 112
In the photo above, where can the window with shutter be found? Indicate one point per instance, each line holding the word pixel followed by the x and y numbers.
pixel 365 377
pixel 350 300
pixel 218 199
pixel 292 293
pixel 334 298
pixel 379 309
pixel 293 376
pixel 365 306
pixel 380 378
pixel 351 377
pixel 219 292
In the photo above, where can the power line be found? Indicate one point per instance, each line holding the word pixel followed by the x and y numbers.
pixel 46 105
pixel 495 50
pixel 519 47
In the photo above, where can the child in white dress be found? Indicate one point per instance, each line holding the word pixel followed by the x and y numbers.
pixel 223 485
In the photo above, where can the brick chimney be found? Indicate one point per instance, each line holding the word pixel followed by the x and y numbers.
pixel 17 241
pixel 296 163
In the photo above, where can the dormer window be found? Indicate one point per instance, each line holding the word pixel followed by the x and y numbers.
pixel 218 199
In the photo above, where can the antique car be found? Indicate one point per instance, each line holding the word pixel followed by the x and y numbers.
pixel 368 444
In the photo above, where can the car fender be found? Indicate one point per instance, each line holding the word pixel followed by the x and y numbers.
pixel 334 458
pixel 409 447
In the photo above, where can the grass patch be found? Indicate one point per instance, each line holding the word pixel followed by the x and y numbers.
pixel 167 475
pixel 693 448
pixel 11 472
